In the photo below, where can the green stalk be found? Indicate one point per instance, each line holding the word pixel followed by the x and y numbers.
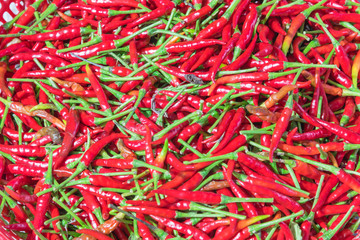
pixel 37 233
pixel 118 43
pixel 69 212
pixel 159 120
pixel 188 146
pixel 6 112
pixel 176 123
pixel 257 227
pixel 171 17
pixel 99 121
pixel 330 233
pixel 96 39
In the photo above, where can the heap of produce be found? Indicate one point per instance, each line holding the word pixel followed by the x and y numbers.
pixel 201 119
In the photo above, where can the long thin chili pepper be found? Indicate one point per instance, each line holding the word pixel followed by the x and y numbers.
pixel 296 24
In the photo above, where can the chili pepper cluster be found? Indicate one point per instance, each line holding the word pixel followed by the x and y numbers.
pixel 199 119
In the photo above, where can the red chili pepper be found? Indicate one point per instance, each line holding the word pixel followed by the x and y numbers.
pixel 158 12
pixel 346 17
pixel 71 129
pixel 94 233
pixel 185 229
pixel 238 13
pixel 340 131
pixel 286 230
pixel 192 17
pixel 208 52
pixel 62 34
pixel 233 127
pixel 281 126
pixel 115 3
pixel 275 25
pixel 247 30
pixel 104 104
pixel 223 53
pixel 215 26
pixel 248 207
pixel 340 52
pixel 221 128
pixel 201 197
pixel 144 231
pixel 326 147
pixel 296 24
pixel 112 196
pixel 23 197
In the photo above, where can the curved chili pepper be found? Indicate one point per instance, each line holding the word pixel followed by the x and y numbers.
pixel 188 230
pixel 223 53
pixel 247 30
pixel 215 26
pixel 237 14
pixel 340 131
pixel 248 207
pixel 112 196
pixel 233 127
pixel 192 17
pixel 296 24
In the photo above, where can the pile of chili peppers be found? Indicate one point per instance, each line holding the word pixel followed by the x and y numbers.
pixel 234 119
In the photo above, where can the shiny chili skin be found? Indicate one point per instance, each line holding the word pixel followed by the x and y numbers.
pixel 233 127
pixel 280 128
pixel 185 229
pixel 112 196
pixel 247 28
pixel 192 17
pixel 340 131
pixel 62 34
pixel 223 53
pixel 248 207
pixel 71 129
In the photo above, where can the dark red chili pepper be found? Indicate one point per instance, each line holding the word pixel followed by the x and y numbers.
pixel 311 135
pixel 7 234
pixel 257 165
pixel 23 197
